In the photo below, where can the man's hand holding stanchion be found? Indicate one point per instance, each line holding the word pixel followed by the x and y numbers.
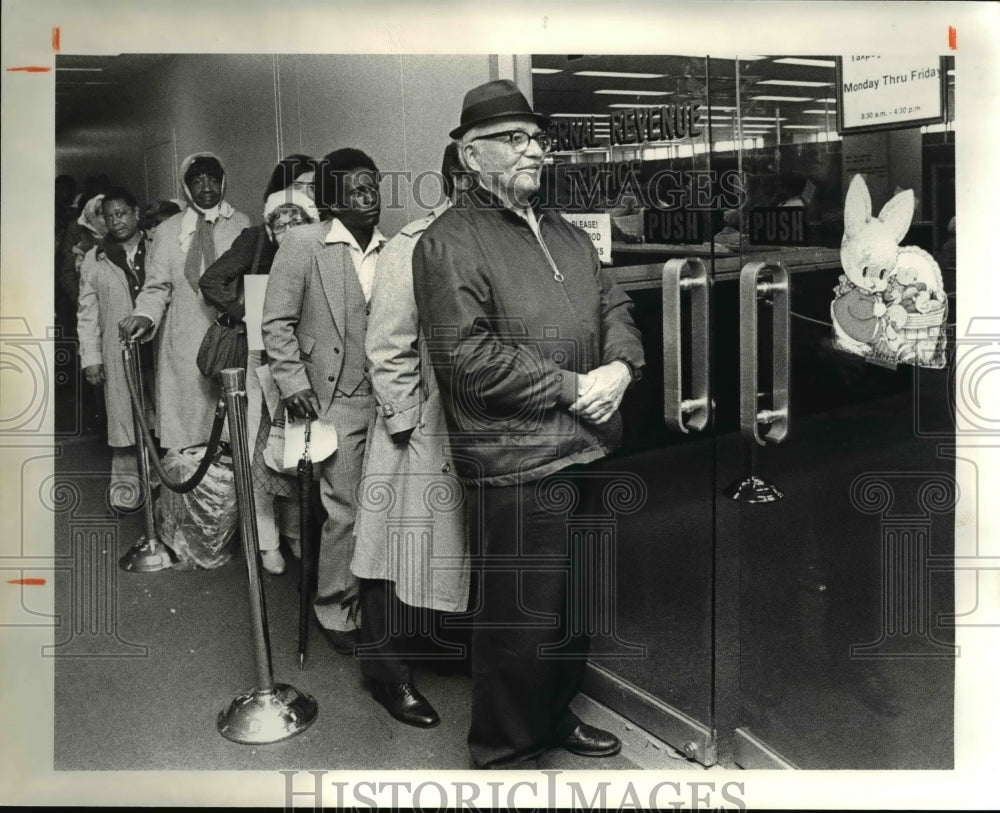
pixel 601 391
pixel 134 327
pixel 303 405
pixel 94 375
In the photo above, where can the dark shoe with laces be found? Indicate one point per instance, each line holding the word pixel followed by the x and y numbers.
pixel 406 704
pixel 587 741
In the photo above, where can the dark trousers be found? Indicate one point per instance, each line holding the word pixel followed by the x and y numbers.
pixel 383 640
pixel 529 639
pixel 394 634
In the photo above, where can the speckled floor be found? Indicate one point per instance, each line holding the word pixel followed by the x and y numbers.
pixel 141 680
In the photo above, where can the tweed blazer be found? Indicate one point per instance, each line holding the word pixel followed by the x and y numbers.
pixel 305 312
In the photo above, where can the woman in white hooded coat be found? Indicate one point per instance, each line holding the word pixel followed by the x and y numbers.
pixel 171 307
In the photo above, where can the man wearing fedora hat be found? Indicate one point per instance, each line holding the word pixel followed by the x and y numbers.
pixel 533 347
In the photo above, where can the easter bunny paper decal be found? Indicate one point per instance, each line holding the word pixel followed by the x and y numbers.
pixel 890 303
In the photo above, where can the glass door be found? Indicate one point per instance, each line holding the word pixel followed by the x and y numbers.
pixel 839 508
pixel 632 166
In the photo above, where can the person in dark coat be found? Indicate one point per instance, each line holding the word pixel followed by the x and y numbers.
pixel 533 347
pixel 252 252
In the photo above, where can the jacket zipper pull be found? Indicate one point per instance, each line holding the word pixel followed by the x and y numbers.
pixel 556 273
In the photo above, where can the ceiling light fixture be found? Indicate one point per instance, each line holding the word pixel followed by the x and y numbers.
pixel 817 63
pixel 782 98
pixel 620 74
pixel 633 92
pixel 793 83
pixel 546 70
pixel 631 106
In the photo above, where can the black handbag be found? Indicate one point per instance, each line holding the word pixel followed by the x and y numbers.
pixel 225 342
pixel 224 346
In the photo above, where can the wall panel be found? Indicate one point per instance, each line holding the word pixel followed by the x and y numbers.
pixel 252 109
pixel 225 104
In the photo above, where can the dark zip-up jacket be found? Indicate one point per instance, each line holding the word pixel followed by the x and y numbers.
pixel 508 338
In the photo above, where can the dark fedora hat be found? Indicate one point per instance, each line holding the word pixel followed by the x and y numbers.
pixel 494 100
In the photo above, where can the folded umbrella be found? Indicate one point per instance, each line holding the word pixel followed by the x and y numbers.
pixel 305 473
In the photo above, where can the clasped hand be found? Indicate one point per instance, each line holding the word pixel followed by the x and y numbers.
pixel 303 404
pixel 134 327
pixel 600 391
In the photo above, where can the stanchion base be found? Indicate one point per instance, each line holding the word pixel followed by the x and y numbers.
pixel 147 556
pixel 257 718
pixel 754 490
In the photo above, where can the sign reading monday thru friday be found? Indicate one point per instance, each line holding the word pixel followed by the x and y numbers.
pixel 882 92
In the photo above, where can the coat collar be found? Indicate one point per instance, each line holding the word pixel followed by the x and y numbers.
pixel 112 249
pixel 338 233
pixel 420 225
pixel 484 199
pixel 189 220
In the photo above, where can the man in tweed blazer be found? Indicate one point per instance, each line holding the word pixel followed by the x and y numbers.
pixel 314 323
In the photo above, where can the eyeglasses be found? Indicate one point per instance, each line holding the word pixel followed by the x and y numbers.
pixel 280 228
pixel 519 140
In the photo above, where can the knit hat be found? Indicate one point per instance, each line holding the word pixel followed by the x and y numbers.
pixel 293 196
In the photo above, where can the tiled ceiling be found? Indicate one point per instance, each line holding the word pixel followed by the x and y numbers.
pixel 83 83
pixel 803 89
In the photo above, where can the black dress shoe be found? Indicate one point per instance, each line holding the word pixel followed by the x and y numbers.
pixel 342 641
pixel 406 704
pixel 588 741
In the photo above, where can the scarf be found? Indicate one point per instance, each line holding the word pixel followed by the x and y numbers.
pixel 200 254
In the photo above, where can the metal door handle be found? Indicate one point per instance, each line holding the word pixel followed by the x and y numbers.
pixel 679 413
pixel 776 290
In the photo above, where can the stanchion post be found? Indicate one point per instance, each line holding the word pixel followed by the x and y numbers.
pixel 271 711
pixel 149 554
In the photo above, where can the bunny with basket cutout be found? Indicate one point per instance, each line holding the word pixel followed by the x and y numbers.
pixel 890 302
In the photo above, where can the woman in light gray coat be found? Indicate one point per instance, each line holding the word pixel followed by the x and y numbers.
pixel 111 275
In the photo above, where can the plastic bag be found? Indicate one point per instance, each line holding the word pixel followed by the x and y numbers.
pixel 200 526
